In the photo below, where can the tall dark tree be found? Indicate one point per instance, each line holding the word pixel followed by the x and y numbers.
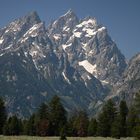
pixel 13 126
pixel 57 115
pixel 106 119
pixel 137 108
pixel 123 115
pixel 116 126
pixel 42 120
pixel 81 124
pixel 30 128
pixel 3 115
pixel 71 130
pixel 92 128
pixel 137 102
pixel 131 121
pixel 63 134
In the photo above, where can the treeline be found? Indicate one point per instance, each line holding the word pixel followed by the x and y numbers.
pixel 52 120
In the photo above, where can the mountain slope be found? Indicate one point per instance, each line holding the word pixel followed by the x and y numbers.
pixel 75 59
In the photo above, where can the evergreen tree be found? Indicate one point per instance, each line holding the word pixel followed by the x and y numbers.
pixel 57 116
pixel 137 102
pixel 123 115
pixel 115 129
pixel 63 134
pixel 30 128
pixel 137 108
pixel 13 126
pixel 42 120
pixel 3 115
pixel 81 124
pixel 71 130
pixel 92 128
pixel 131 121
pixel 106 119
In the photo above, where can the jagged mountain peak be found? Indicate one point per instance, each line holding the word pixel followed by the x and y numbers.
pixel 90 20
pixel 69 13
pixel 135 58
pixel 64 23
pixel 32 17
pixel 77 54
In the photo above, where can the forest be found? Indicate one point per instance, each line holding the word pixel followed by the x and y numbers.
pixel 51 119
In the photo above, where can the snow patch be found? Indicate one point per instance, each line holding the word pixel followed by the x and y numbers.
pixel 65 46
pixel 77 34
pixel 8 47
pixel 56 36
pixel 26 54
pixel 91 32
pixel 84 45
pixel 63 73
pixel 1 41
pixel 66 29
pixel 104 82
pixel 2 54
pixel 90 22
pixel 33 53
pixel 88 67
pixel 89 78
pixel 32 30
pixel 24 61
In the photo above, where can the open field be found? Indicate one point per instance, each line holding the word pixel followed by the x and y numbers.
pixel 56 138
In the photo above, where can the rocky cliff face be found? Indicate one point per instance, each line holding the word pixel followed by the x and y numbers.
pixel 75 59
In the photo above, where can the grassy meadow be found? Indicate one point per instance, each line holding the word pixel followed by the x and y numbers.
pixel 56 138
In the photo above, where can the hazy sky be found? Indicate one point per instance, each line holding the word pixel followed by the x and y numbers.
pixel 121 17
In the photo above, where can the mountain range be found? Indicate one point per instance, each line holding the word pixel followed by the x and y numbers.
pixel 73 58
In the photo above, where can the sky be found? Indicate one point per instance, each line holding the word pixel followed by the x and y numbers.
pixel 121 17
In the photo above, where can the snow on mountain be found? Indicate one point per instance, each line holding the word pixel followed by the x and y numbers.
pixel 1 41
pixel 72 58
pixel 89 67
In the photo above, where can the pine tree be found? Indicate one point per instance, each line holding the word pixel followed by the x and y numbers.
pixel 63 134
pixel 42 120
pixel 92 128
pixel 106 119
pixel 3 115
pixel 115 129
pixel 57 116
pixel 30 128
pixel 131 121
pixel 71 130
pixel 137 108
pixel 81 124
pixel 123 115
pixel 13 126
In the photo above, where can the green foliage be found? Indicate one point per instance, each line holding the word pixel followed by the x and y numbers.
pixel 131 121
pixel 13 126
pixel 3 115
pixel 51 120
pixel 137 102
pixel 81 124
pixel 30 128
pixel 57 116
pixel 106 119
pixel 92 128
pixel 137 132
pixel 115 129
pixel 123 114
pixel 137 108
pixel 63 134
pixel 42 120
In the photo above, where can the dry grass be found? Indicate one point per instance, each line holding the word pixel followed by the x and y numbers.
pixel 56 138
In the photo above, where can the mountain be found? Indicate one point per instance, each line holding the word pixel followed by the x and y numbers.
pixel 74 59
pixel 131 80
